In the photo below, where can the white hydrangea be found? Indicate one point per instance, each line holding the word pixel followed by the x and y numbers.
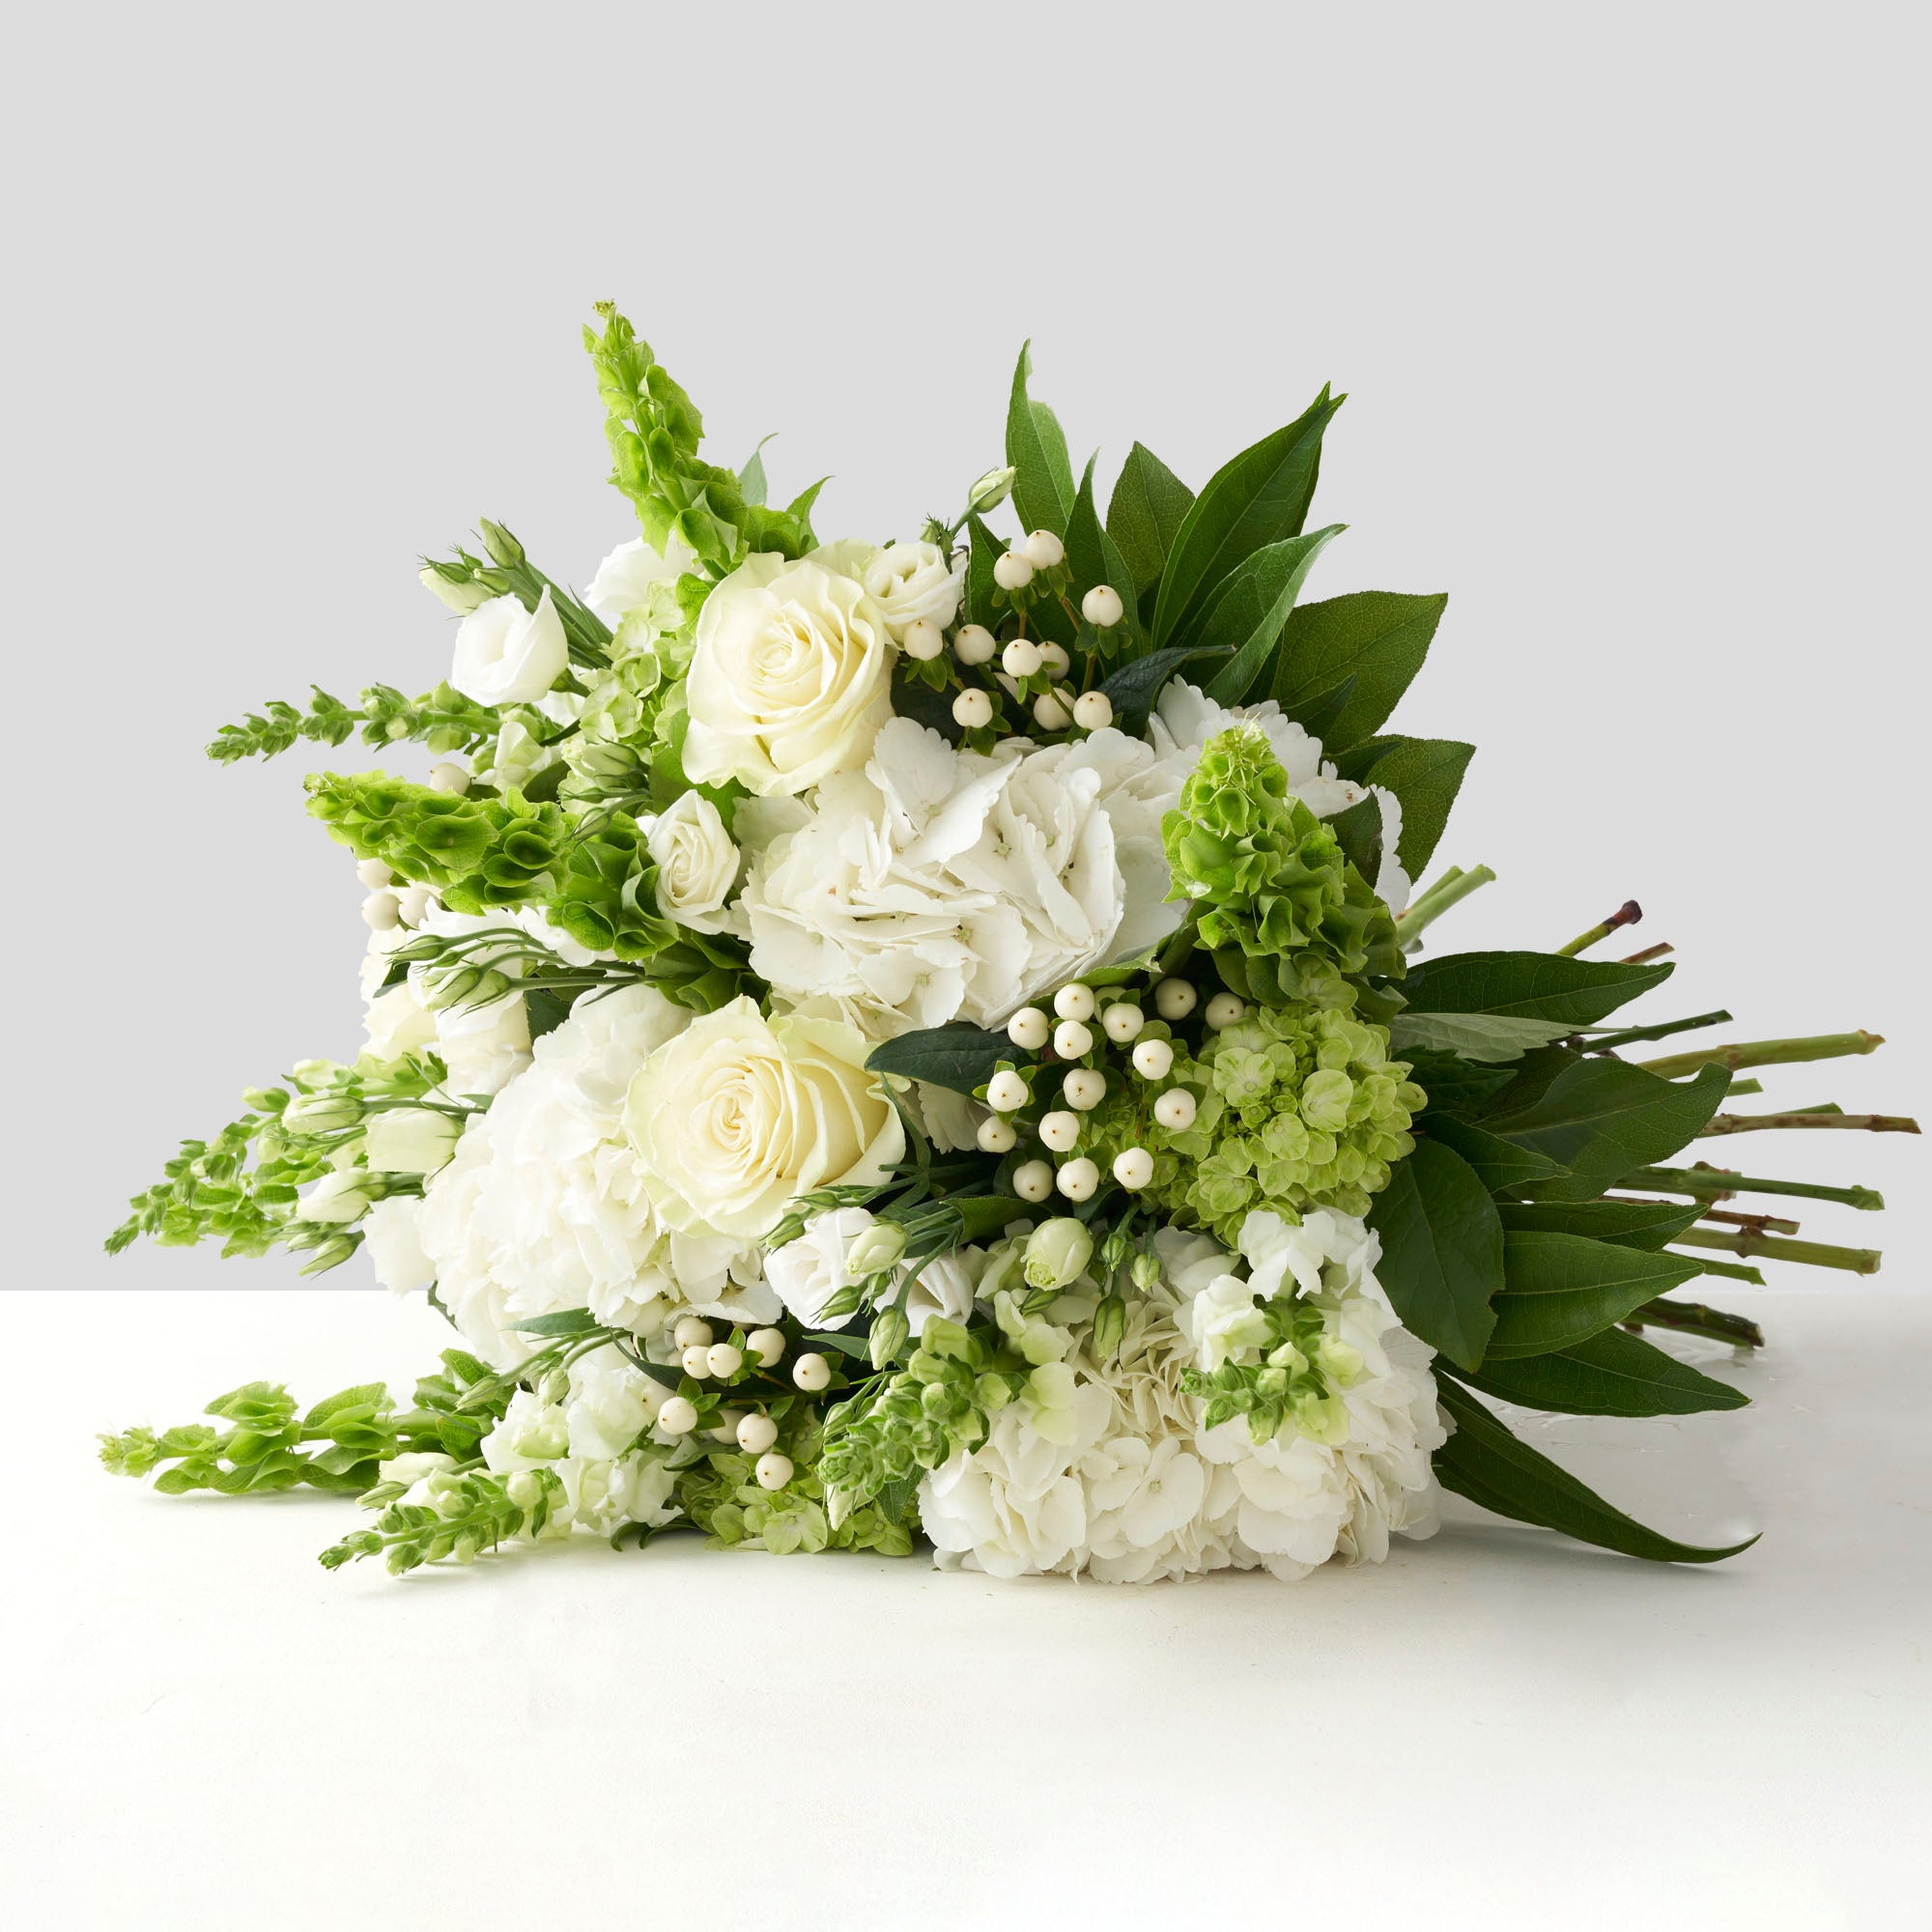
pixel 940 884
pixel 544 1207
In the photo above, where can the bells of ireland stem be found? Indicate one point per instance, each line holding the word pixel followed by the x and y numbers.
pixel 1056 1253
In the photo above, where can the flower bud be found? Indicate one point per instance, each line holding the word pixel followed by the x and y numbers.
pixel 453 585
pixel 1056 1253
pixel 1145 1270
pixel 891 1331
pixel 991 489
pixel 320 1113
pixel 337 1198
pixel 875 1249
pixel 503 548
pixel 410 1140
pixel 1110 1323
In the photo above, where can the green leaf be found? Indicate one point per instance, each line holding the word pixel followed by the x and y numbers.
pixel 1602 1118
pixel 1091 556
pixel 752 478
pixel 1260 497
pixel 1133 688
pixel 958 1055
pixel 1499 1164
pixel 1145 514
pixel 857 1346
pixel 1442 1251
pixel 544 1012
pixel 370 1395
pixel 1246 611
pixel 1375 638
pixel 1528 986
pixel 1484 1463
pixel 1036 447
pixel 1628 1224
pixel 1611 1373
pixel 1358 831
pixel 985 551
pixel 566 1321
pixel 1562 1288
pixel 1453 1085
pixel 1424 773
pixel 984 1214
pixel 1487 1038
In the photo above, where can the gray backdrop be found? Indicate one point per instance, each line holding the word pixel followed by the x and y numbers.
pixel 1629 305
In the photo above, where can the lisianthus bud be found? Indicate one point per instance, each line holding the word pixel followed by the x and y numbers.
pixel 1056 1253
pixel 410 1140
pixel 991 489
pixel 503 547
pixel 877 1249
pixel 891 1331
pixel 453 585
pixel 320 1113
pixel 1110 1323
pixel 338 1197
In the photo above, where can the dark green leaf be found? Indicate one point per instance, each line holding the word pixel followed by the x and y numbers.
pixel 1377 639
pixel 896 1498
pixel 1145 514
pixel 1630 1224
pixel 957 1056
pixel 566 1321
pixel 1247 609
pixel 933 709
pixel 982 1215
pixel 857 1346
pixel 1358 831
pixel 1611 1373
pixel 544 1012
pixel 1453 1085
pixel 1602 1118
pixel 1527 986
pixel 1091 556
pixel 1321 714
pixel 1442 1251
pixel 985 551
pixel 1499 1164
pixel 1562 1288
pixel 1484 1463
pixel 1424 773
pixel 1260 497
pixel 1036 447
pixel 1133 688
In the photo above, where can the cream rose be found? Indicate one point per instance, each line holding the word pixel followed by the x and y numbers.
pixel 790 673
pixel 739 1115
pixel 697 862
pixel 911 580
pixel 508 654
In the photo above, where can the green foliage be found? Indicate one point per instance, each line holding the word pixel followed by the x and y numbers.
pixel 1501 1165
pixel 1245 611
pixel 1610 1374
pixel 443 720
pixel 1145 514
pixel 1286 1378
pixel 1372 641
pixel 1092 557
pixel 1572 993
pixel 1442 1252
pixel 722 1496
pixel 1424 773
pixel 1489 1039
pixel 1037 448
pixel 1563 1288
pixel 959 1055
pixel 1628 1224
pixel 473 1512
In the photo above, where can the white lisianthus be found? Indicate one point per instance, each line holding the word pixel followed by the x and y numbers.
pixel 697 864
pixel 508 654
pixel 390 1240
pixel 940 884
pixel 738 1115
pixel 808 1271
pixel 790 673
pixel 337 1198
pixel 409 1140
pixel 911 580
pixel 625 578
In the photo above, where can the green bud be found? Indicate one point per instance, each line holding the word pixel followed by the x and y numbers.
pixel 503 547
pixel 1339 1359
pixel 1110 1323
pixel 991 489
pixel 1145 1270
pixel 875 1250
pixel 454 585
pixel 320 1113
pixel 891 1331
pixel 265 1099
pixel 1056 1253
pixel 993 1393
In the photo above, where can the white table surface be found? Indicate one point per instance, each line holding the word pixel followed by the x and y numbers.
pixel 1496 1728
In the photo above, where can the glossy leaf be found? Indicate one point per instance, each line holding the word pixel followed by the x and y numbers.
pixel 1442 1251
pixel 1454 1085
pixel 1133 688
pixel 1628 1224
pixel 1611 1373
pixel 1358 831
pixel 1247 610
pixel 957 1056
pixel 566 1321
pixel 1036 447
pixel 1375 640
pixel 1562 1288
pixel 1145 514
pixel 1499 1164
pixel 1528 986
pixel 1092 555
pixel 1424 773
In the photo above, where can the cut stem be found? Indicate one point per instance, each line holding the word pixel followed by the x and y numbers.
pixel 1635 1036
pixel 1766 1052
pixel 1719 1183
pixel 1693 1318
pixel 1761 1224
pixel 1627 914
pixel 1811 1254
pixel 1648 954
pixel 1446 892
pixel 1730 1270
pixel 1869 1123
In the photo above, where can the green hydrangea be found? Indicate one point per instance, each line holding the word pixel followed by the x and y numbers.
pixel 722 1496
pixel 1270 878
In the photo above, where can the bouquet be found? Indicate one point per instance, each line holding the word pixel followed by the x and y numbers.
pixel 938 1042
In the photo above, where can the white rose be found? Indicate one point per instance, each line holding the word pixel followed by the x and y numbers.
pixel 808 1272
pixel 409 1140
pixel 508 654
pixel 697 862
pixel 790 674
pixel 394 1248
pixel 624 579
pixel 911 580
pixel 739 1115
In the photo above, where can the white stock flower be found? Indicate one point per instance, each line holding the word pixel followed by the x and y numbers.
pixel 790 673
pixel 806 1272
pixel 911 580
pixel 939 884
pixel 610 1404
pixel 545 1206
pixel 396 1024
pixel 395 1252
pixel 508 654
pixel 625 578
pixel 738 1115
pixel 697 862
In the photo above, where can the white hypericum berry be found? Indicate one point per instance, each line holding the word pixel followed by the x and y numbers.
pixel 1021 658
pixel 1033 1181
pixel 1053 658
pixel 679 1416
pixel 1174 999
pixel 1006 1092
pixel 1153 1058
pixel 1102 607
pixel 1078 1178
pixel 693 1331
pixel 1223 1011
pixel 996 1136
pixel 1029 1027
pixel 1174 1109
pixel 773 1471
pixel 1049 713
pixel 1133 1167
pixel 923 639
pixel 811 1373
pixel 975 645
pixel 697 1362
pixel 374 875
pixel 1084 1088
pixel 1073 1039
pixel 972 709
pixel 450 777
pixel 1092 711
pixel 1043 549
pixel 756 1433
pixel 1060 1130
pixel 382 913
pixel 768 1344
pixel 1122 1023
pixel 1075 1001
pixel 724 1359
pixel 1012 571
